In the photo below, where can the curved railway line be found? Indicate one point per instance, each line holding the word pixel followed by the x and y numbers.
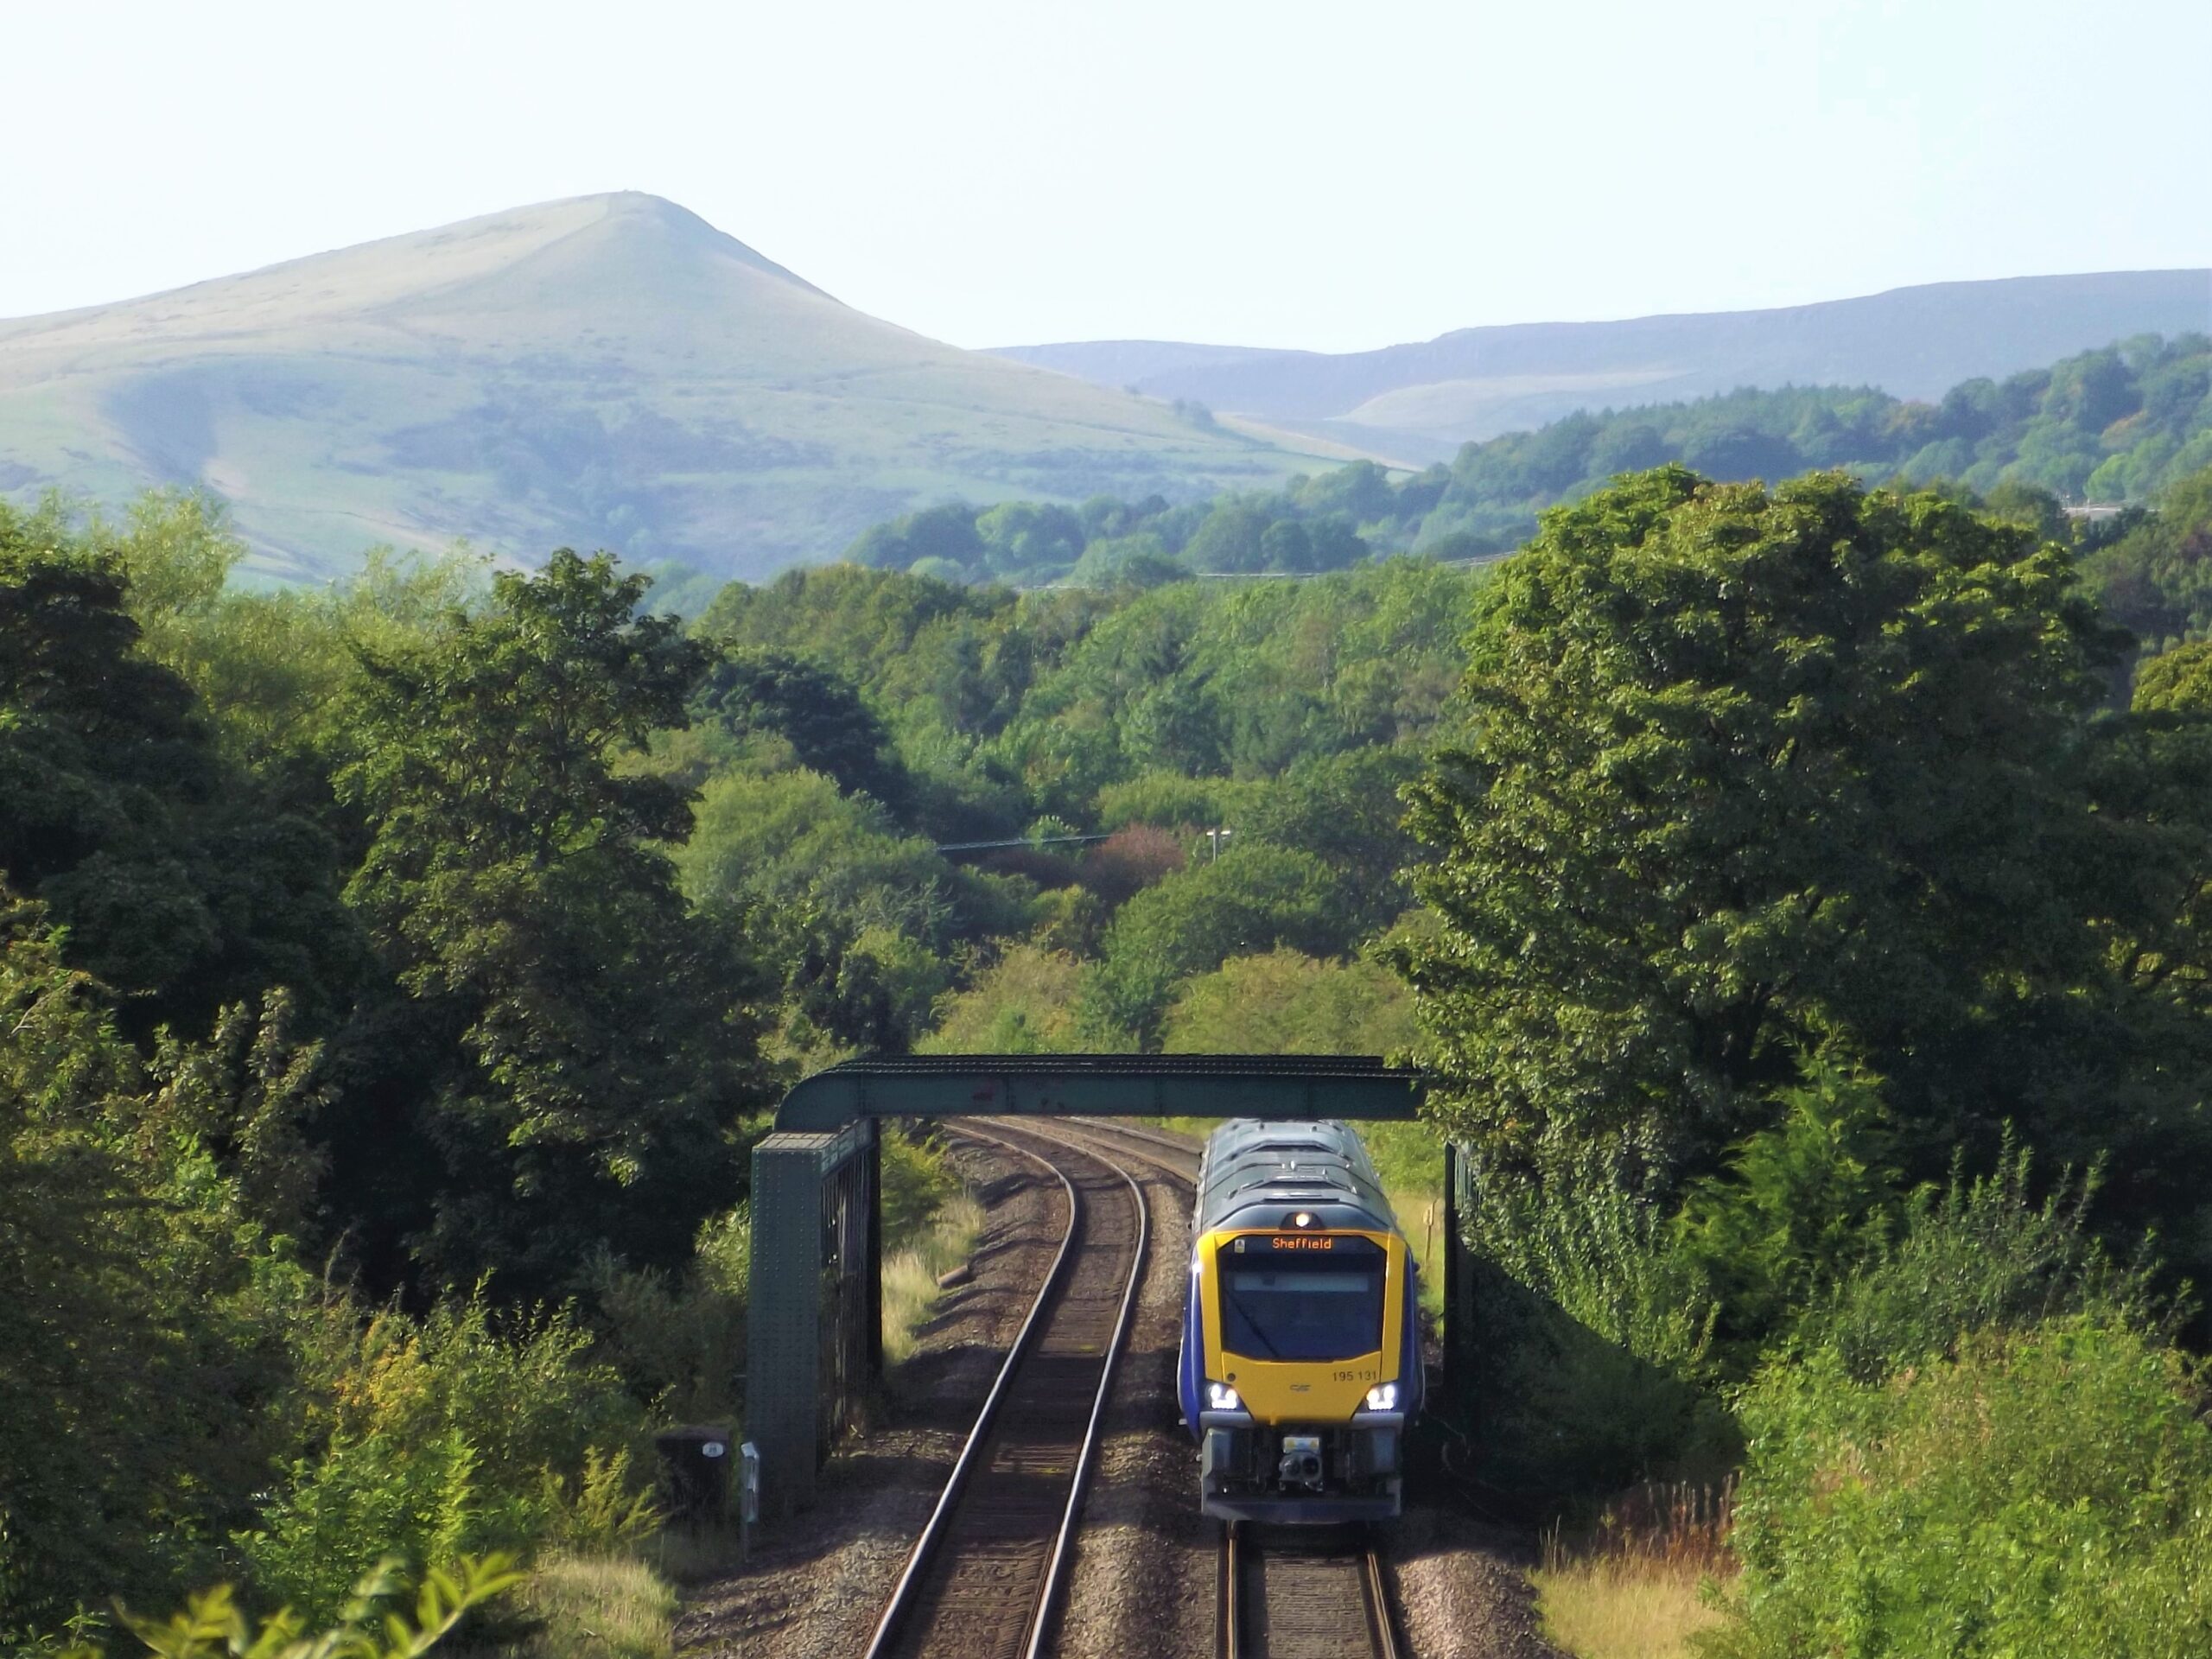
pixel 986 1576
pixel 1284 1593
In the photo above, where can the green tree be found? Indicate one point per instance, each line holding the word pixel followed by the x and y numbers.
pixel 1025 1003
pixel 2157 576
pixel 1191 922
pixel 181 883
pixel 1284 1003
pixel 1343 809
pixel 1229 540
pixel 601 1037
pixel 1748 771
pixel 819 712
pixel 144 1309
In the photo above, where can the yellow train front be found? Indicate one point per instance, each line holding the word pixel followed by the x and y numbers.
pixel 1300 1361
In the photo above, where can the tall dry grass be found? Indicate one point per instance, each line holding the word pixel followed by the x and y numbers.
pixel 596 1606
pixel 910 1276
pixel 1637 1585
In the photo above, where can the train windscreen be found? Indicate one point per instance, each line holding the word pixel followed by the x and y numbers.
pixel 1301 1303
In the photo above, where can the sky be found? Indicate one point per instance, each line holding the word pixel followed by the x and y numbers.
pixel 1331 177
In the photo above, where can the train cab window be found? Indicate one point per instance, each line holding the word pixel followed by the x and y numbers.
pixel 1301 1305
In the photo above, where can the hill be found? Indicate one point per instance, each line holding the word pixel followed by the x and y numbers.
pixel 606 370
pixel 1418 403
pixel 2122 426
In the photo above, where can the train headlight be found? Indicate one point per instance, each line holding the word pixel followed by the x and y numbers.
pixel 1382 1397
pixel 1221 1397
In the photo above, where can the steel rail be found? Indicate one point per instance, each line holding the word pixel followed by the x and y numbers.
pixel 1248 1629
pixel 1233 1641
pixel 1378 1605
pixel 1163 1151
pixel 902 1594
pixel 1063 1556
pixel 891 1627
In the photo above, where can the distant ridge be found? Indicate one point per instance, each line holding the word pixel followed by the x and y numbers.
pixel 1477 383
pixel 603 371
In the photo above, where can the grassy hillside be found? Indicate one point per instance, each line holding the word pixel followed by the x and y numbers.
pixel 608 371
pixel 1418 401
pixel 2120 425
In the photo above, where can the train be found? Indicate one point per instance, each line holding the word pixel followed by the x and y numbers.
pixel 1299 1370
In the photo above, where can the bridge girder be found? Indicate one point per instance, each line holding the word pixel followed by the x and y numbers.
pixel 1356 1086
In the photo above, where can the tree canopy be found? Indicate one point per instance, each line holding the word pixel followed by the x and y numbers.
pixel 520 889
pixel 2122 423
pixel 1751 776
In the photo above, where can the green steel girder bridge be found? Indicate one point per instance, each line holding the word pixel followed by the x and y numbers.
pixel 815 1333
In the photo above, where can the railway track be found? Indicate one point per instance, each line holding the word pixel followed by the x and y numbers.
pixel 987 1575
pixel 1285 1592
pixel 1319 1598
pixel 986 1578
pixel 1173 1155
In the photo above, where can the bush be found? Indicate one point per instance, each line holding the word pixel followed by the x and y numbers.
pixel 1594 1367
pixel 1286 1002
pixel 2044 1495
pixel 1792 1214
pixel 916 1182
pixel 374 1623
pixel 1253 899
pixel 436 1438
pixel 679 1343
pixel 1975 1255
pixel 1027 1003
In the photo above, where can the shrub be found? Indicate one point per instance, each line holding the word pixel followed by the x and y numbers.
pixel 2044 1495
pixel 1792 1215
pixel 917 1183
pixel 1974 1254
pixel 435 1438
pixel 1285 1002
pixel 679 1341
pixel 374 1623
pixel 1594 1367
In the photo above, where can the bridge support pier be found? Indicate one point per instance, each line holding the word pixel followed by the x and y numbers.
pixel 814 1338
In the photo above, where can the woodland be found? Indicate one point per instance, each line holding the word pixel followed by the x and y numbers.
pixel 2117 425
pixel 1797 891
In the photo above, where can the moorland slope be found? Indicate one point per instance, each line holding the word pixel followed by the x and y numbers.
pixel 605 371
pixel 1420 402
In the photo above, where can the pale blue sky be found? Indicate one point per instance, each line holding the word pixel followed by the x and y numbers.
pixel 1328 175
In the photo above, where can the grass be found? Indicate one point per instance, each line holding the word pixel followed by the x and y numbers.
pixel 1618 1607
pixel 1420 1218
pixel 1637 1588
pixel 596 1606
pixel 910 1276
pixel 503 429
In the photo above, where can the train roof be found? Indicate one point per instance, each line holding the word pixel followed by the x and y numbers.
pixel 1256 1170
